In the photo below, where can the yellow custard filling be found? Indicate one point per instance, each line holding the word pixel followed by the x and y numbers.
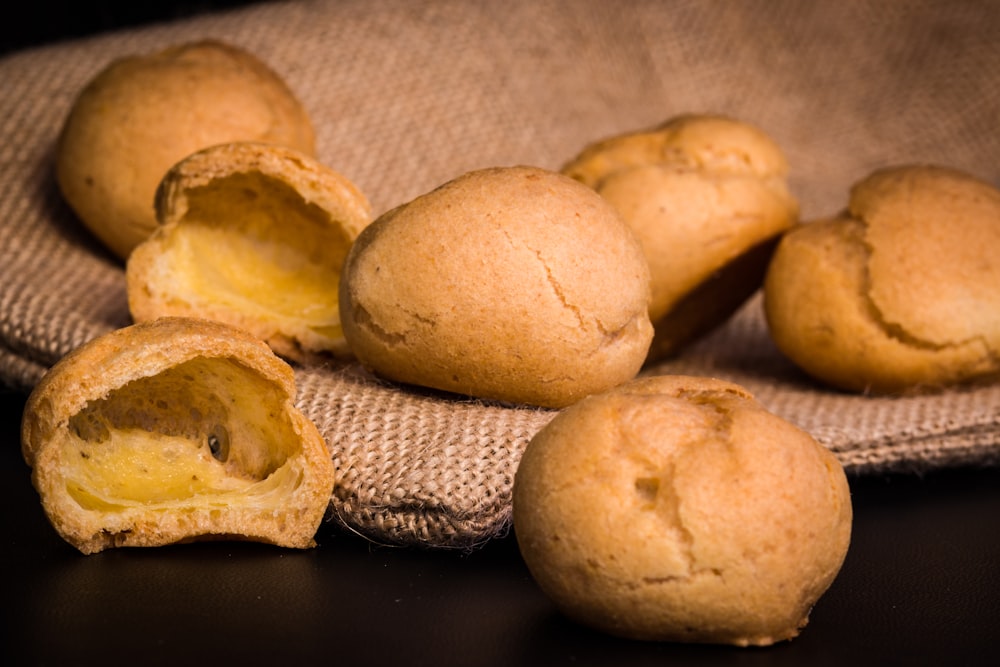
pixel 199 434
pixel 254 244
pixel 247 273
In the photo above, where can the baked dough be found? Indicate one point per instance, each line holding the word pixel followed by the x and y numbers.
pixel 707 196
pixel 172 431
pixel 253 235
pixel 678 509
pixel 514 284
pixel 900 293
pixel 143 113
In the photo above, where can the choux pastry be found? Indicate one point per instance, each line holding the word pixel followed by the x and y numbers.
pixel 900 293
pixel 707 196
pixel 514 284
pixel 253 235
pixel 143 113
pixel 678 509
pixel 172 431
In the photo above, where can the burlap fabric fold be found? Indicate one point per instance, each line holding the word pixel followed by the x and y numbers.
pixel 406 95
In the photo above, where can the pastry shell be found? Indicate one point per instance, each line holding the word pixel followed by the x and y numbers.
pixel 677 508
pixel 172 431
pixel 144 112
pixel 707 197
pixel 514 284
pixel 253 235
pixel 899 293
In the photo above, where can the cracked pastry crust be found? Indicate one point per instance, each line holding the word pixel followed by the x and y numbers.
pixel 708 197
pixel 900 293
pixel 678 509
pixel 143 113
pixel 514 284
pixel 172 431
pixel 253 235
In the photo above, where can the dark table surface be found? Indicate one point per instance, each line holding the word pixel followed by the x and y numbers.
pixel 920 586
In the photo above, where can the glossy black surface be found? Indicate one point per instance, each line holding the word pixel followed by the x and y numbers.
pixel 921 585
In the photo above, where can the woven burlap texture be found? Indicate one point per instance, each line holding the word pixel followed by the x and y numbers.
pixel 406 95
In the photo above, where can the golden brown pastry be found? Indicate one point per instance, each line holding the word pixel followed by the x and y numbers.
pixel 900 292
pixel 707 196
pixel 171 431
pixel 515 284
pixel 253 235
pixel 678 509
pixel 143 113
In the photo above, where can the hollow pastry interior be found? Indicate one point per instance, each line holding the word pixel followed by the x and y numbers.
pixel 171 431
pixel 254 244
pixel 251 235
pixel 194 436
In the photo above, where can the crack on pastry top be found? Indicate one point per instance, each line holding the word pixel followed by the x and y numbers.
pixel 707 144
pixel 932 235
pixel 853 230
pixel 703 416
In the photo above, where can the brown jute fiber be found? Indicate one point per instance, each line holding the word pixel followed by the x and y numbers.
pixel 406 95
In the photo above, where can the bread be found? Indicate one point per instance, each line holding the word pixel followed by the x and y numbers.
pixel 707 196
pixel 143 113
pixel 678 509
pixel 253 235
pixel 513 284
pixel 900 293
pixel 171 431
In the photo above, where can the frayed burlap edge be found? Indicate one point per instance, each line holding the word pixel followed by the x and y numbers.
pixel 424 469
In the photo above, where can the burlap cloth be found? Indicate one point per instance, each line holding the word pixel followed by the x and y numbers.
pixel 406 95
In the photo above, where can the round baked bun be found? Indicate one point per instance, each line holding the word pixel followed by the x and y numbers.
pixel 900 293
pixel 514 284
pixel 678 509
pixel 172 431
pixel 708 197
pixel 253 235
pixel 143 113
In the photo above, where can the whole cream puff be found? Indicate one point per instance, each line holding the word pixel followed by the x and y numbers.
pixel 143 113
pixel 900 292
pixel 678 509
pixel 707 197
pixel 514 284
